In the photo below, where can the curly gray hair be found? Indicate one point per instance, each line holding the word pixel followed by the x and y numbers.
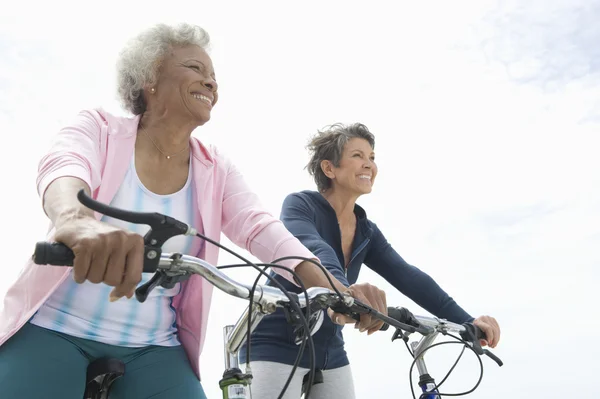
pixel 328 144
pixel 140 59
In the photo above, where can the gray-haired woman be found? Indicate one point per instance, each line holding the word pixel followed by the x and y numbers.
pixel 330 224
pixel 55 320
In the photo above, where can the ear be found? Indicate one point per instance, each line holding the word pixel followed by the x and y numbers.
pixel 327 168
pixel 149 89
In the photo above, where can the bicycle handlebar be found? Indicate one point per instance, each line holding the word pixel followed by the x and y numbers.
pixel 58 254
pixel 184 265
pixel 170 268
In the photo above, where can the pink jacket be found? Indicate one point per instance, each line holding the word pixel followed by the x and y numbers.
pixel 97 148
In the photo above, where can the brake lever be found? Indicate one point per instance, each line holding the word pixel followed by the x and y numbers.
pixel 165 278
pixel 470 335
pixel 162 228
pixel 356 308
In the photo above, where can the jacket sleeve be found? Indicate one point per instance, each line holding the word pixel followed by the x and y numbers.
pixel 75 152
pixel 299 218
pixel 250 226
pixel 412 282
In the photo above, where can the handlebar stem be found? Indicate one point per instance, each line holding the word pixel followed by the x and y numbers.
pixel 231 360
pixel 239 332
pixel 419 348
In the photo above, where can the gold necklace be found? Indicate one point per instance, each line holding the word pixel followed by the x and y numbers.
pixel 158 148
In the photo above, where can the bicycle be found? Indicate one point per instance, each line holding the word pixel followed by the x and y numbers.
pixel 171 268
pixel 405 323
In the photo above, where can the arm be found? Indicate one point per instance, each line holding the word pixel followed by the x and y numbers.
pixel 102 253
pixel 298 217
pixel 74 159
pixel 60 200
pixel 411 281
pixel 247 224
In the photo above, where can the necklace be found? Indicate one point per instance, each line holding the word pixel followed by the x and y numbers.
pixel 158 148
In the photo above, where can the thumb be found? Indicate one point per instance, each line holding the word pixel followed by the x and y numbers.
pixel 338 318
pixel 116 294
pixel 335 317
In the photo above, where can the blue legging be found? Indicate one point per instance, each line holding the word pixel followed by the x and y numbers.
pixel 41 363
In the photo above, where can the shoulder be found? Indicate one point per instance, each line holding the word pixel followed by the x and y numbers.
pixel 100 118
pixel 211 156
pixel 306 198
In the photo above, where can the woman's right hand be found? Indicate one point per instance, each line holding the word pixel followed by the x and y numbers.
pixel 369 295
pixel 103 254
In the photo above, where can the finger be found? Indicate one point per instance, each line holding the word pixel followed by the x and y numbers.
pixel 377 300
pixel 339 318
pixel 496 332
pixel 81 264
pixel 375 325
pixel 345 319
pixel 366 322
pixel 384 302
pixel 382 308
pixel 489 333
pixel 376 328
pixel 99 260
pixel 115 267
pixel 134 264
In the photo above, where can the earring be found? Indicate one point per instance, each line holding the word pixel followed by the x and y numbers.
pixel 152 90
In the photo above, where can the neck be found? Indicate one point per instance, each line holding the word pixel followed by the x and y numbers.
pixel 342 203
pixel 165 137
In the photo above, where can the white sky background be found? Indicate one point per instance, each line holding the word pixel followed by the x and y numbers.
pixel 486 118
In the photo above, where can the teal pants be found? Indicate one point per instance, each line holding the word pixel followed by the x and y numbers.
pixel 37 363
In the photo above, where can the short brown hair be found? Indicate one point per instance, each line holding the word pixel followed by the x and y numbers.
pixel 328 144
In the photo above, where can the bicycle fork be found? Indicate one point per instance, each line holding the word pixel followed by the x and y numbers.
pixel 234 384
pixel 426 382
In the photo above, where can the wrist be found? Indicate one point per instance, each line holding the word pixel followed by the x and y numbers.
pixel 73 215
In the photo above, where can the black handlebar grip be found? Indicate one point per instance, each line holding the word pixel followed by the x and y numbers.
pixel 479 334
pixel 56 254
pixel 473 334
pixel 402 315
pixel 472 331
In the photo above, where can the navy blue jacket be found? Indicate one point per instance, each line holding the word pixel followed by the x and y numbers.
pixel 313 221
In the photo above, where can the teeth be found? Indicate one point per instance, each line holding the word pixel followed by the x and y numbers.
pixel 364 177
pixel 203 98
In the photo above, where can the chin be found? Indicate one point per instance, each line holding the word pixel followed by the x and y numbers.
pixel 367 190
pixel 363 192
pixel 202 119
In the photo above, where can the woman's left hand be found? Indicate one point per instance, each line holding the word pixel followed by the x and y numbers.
pixel 490 327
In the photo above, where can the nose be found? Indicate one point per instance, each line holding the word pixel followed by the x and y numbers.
pixel 211 84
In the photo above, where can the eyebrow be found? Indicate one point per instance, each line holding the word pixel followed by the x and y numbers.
pixel 361 151
pixel 212 71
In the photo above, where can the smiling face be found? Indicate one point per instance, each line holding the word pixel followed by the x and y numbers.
pixel 186 85
pixel 357 168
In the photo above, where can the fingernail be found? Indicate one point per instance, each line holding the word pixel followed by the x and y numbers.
pixel 113 298
pixel 362 329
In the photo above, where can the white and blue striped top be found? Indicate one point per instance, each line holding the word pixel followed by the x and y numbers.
pixel 83 310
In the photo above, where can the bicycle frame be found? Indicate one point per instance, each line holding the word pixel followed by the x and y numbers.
pixel 426 381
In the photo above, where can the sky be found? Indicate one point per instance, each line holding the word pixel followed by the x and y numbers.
pixel 486 117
